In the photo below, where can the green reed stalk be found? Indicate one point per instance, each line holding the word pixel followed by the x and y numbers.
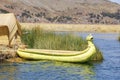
pixel 119 38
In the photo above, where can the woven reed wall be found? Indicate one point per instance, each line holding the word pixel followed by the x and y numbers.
pixel 4 30
pixel 4 33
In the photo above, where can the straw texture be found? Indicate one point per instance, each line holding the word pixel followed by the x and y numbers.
pixel 9 26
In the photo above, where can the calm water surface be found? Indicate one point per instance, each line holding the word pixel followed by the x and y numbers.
pixel 109 69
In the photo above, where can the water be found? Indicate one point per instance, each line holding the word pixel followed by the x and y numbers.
pixel 109 69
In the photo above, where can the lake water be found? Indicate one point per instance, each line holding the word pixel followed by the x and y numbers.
pixel 109 69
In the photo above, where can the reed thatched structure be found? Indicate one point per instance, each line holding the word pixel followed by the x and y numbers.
pixel 9 28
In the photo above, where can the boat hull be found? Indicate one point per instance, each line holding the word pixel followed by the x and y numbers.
pixel 78 56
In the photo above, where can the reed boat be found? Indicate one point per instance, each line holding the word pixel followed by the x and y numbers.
pixel 60 55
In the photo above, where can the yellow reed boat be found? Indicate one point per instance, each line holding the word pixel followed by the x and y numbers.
pixel 60 55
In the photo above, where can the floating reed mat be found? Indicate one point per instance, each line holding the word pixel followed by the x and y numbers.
pixel 39 39
pixel 6 52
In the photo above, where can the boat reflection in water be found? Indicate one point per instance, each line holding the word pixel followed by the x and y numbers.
pixel 46 70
